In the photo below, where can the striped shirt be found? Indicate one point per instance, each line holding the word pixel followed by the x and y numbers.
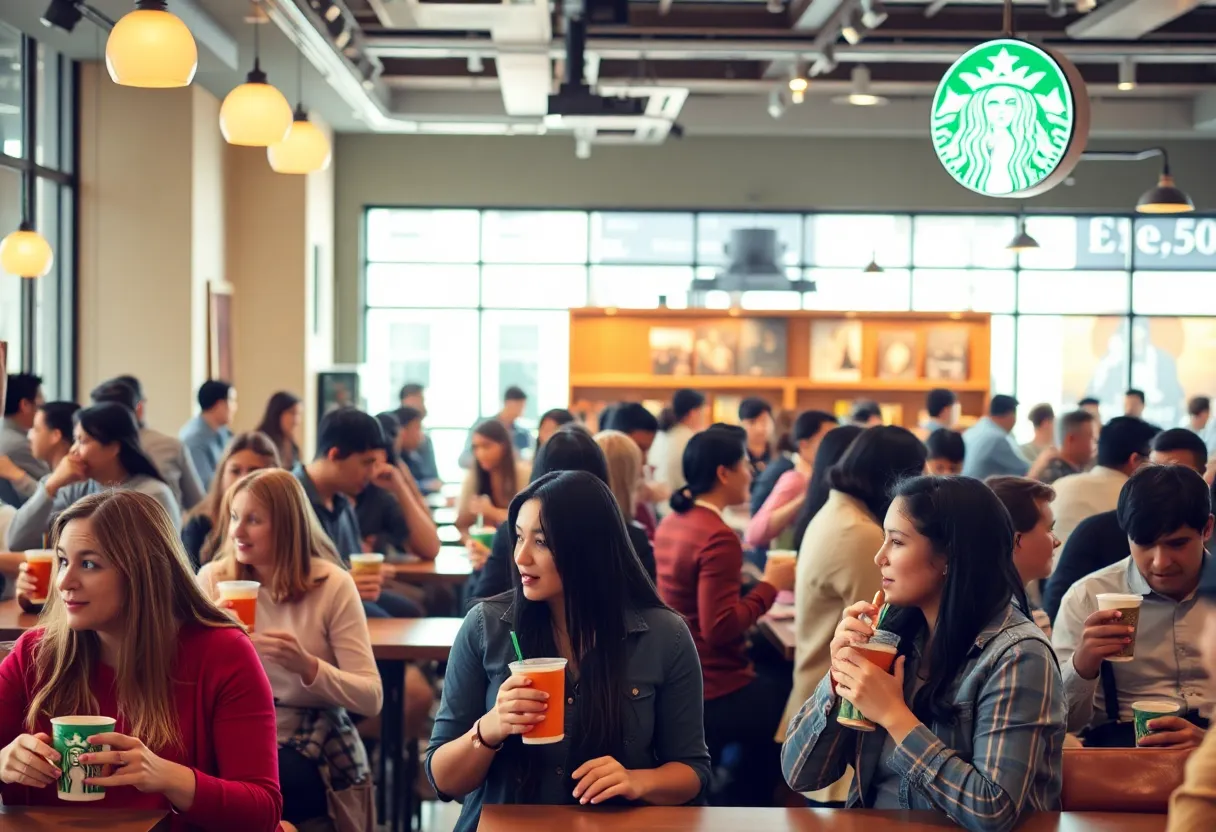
pixel 998 758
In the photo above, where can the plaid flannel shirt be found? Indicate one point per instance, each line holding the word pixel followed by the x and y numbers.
pixel 999 756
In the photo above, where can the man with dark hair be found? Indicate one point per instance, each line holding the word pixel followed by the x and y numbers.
pixel 1123 446
pixel 514 400
pixel 411 440
pixel 167 453
pixel 21 403
pixel 347 461
pixel 946 453
pixel 1179 446
pixel 636 422
pixel 807 432
pixel 941 406
pixel 1042 418
pixel 549 422
pixel 421 460
pixel 1092 405
pixel 1097 541
pixel 1076 438
pixel 756 416
pixel 1133 403
pixel 991 449
pixel 1165 511
pixel 1199 409
pixel 50 440
pixel 866 413
pixel 207 434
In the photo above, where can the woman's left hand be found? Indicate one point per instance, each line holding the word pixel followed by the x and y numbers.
pixel 879 695
pixel 285 650
pixel 603 779
pixel 129 763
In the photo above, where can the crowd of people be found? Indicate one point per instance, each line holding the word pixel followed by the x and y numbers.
pixel 980 569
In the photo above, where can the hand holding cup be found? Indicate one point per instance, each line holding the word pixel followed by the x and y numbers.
pixel 1104 636
pixel 30 761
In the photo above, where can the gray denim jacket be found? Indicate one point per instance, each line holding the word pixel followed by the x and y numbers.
pixel 663 716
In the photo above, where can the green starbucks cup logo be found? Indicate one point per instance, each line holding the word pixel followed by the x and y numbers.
pixel 71 739
pixel 1010 119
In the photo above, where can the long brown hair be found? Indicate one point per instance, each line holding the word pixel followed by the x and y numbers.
pixel 134 534
pixel 624 459
pixel 212 505
pixel 496 432
pixel 297 534
pixel 272 426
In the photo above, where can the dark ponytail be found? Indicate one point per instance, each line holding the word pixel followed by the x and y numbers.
pixel 110 422
pixel 667 419
pixel 684 401
pixel 719 446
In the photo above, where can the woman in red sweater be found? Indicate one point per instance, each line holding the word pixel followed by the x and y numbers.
pixel 126 633
pixel 700 562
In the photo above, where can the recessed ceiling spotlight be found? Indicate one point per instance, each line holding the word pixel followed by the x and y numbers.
pixel 1127 74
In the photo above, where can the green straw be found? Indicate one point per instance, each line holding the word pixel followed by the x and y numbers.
pixel 882 613
pixel 519 654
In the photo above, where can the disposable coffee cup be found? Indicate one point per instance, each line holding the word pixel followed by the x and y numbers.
pixel 483 535
pixel 241 598
pixel 1129 605
pixel 1146 710
pixel 782 555
pixel 881 651
pixel 367 564
pixel 70 737
pixel 39 565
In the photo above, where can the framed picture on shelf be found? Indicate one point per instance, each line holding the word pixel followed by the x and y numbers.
pixel 835 350
pixel 671 351
pixel 219 330
pixel 716 351
pixel 897 354
pixel 762 347
pixel 947 353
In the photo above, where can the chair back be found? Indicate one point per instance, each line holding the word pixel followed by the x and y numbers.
pixel 1121 779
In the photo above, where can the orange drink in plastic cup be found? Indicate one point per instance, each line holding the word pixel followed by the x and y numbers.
pixel 366 564
pixel 242 598
pixel 880 650
pixel 548 675
pixel 38 565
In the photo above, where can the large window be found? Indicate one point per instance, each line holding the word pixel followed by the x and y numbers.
pixel 37 134
pixel 468 302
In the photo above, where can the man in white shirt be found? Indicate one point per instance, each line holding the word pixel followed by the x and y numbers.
pixel 1123 446
pixel 1165 511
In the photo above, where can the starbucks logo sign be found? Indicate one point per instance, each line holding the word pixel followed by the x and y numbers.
pixel 1010 119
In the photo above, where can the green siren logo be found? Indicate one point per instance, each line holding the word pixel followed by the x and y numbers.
pixel 1010 119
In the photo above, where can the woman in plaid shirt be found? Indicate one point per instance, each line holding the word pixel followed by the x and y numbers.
pixel 971 723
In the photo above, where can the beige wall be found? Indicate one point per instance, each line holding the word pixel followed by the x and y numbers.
pixel 168 207
pixel 704 173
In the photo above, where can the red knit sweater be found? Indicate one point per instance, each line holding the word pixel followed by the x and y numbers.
pixel 225 711
pixel 700 574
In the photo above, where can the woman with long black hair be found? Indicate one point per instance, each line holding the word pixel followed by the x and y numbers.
pixel 971 722
pixel 831 448
pixel 105 454
pixel 633 718
pixel 280 422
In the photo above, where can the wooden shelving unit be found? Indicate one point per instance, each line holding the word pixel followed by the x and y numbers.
pixel 610 359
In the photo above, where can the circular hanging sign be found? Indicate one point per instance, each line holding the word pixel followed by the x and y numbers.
pixel 1010 119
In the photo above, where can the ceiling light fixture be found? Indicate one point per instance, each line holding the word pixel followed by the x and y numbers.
pixel 255 114
pixel 306 149
pixel 776 103
pixel 825 64
pixel 1166 197
pixel 853 29
pixel 1056 8
pixel 873 13
pixel 775 6
pixel 582 148
pixel 151 48
pixel 860 96
pixel 1127 74
pixel 475 65
pixel 63 14
pixel 1022 241
pixel 798 82
pixel 873 267
pixel 1086 6
pixel 26 253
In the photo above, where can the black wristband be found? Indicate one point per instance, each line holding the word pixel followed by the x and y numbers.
pixel 482 740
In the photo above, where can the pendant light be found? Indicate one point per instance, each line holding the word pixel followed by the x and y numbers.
pixel 151 48
pixel 1022 241
pixel 1166 198
pixel 873 267
pixel 306 148
pixel 255 114
pixel 26 253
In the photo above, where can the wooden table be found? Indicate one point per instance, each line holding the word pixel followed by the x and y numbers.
pixel 396 641
pixel 450 567
pixel 780 632
pixel 14 621
pixel 706 819
pixel 45 819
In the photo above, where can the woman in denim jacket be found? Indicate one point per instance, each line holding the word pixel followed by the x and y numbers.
pixel 634 728
pixel 971 722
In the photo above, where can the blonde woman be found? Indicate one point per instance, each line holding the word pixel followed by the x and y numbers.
pixel 127 634
pixel 625 463
pixel 313 639
pixel 247 452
